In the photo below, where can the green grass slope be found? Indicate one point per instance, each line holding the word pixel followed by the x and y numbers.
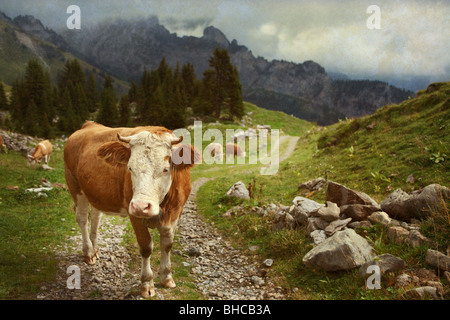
pixel 374 154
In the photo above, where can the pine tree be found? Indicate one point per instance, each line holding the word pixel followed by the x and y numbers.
pixel 221 70
pixel 3 101
pixel 190 83
pixel 31 98
pixel 124 111
pixel 92 95
pixel 221 85
pixel 108 114
pixel 236 104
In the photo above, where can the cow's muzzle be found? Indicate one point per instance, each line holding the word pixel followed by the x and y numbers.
pixel 143 209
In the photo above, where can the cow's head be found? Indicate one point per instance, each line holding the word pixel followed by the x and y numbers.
pixel 148 157
pixel 33 160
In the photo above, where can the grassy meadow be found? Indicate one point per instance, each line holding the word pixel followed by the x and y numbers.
pixel 373 154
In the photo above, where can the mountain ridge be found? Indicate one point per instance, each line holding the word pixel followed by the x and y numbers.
pixel 125 48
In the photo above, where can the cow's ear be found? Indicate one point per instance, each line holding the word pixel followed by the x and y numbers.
pixel 114 153
pixel 186 155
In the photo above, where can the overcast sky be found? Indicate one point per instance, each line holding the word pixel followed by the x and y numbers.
pixel 413 39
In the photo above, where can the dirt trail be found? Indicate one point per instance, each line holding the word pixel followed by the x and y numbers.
pixel 219 271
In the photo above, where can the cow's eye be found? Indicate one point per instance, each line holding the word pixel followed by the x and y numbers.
pixel 129 169
pixel 165 170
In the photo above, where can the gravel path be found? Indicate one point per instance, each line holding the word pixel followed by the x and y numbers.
pixel 219 271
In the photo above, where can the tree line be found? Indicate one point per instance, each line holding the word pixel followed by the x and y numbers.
pixel 165 96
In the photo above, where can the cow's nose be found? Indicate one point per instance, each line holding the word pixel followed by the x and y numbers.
pixel 139 208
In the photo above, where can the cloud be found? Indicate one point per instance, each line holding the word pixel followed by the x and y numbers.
pixel 413 38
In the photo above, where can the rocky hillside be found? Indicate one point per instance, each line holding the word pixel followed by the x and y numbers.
pixel 305 90
pixel 25 38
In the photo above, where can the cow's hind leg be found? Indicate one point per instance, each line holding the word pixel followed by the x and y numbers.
pixel 166 240
pixel 145 243
pixel 82 217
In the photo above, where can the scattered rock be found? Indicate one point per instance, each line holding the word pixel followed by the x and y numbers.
pixel 238 190
pixel 410 179
pixel 316 223
pixel 380 217
pixel 268 262
pixel 342 195
pixel 343 251
pixel 404 280
pixel 360 224
pixel 416 239
pixel 358 212
pixel 386 262
pixel 302 209
pixel 397 234
pixel 313 185
pixel 438 260
pixel 318 236
pixel 417 204
pixel 328 213
pixel 306 205
pixel 423 293
pixel 447 276
pixel 282 220
pixel 336 225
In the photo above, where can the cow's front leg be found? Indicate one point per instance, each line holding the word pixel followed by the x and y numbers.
pixel 82 217
pixel 145 243
pixel 166 240
pixel 93 235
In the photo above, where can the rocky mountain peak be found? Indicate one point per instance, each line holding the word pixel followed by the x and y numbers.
pixel 29 23
pixel 215 35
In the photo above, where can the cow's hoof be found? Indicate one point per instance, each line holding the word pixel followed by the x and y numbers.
pixel 169 283
pixel 91 259
pixel 147 290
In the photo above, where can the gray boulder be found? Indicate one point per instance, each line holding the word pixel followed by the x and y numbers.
pixel 328 213
pixel 306 205
pixel 318 236
pixel 397 234
pixel 302 209
pixel 437 260
pixel 380 217
pixel 417 204
pixel 336 225
pixel 238 190
pixel 282 220
pixel 358 212
pixel 342 195
pixel 423 293
pixel 345 250
pixel 386 262
pixel 313 185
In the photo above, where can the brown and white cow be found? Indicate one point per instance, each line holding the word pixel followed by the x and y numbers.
pixel 43 150
pixel 234 149
pixel 134 172
pixel 215 150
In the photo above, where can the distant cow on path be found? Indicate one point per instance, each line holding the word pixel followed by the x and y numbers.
pixel 215 150
pixel 43 150
pixel 134 172
pixel 234 149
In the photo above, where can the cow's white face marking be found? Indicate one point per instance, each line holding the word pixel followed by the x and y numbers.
pixel 149 165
